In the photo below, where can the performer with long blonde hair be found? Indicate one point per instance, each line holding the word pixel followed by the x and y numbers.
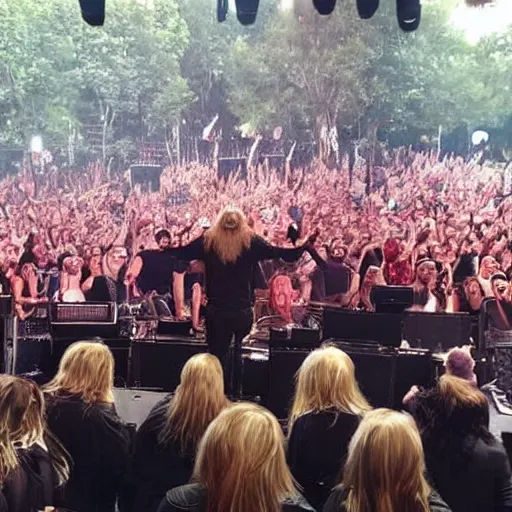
pixel 385 469
pixel 326 411
pixel 168 438
pixel 230 250
pixel 240 467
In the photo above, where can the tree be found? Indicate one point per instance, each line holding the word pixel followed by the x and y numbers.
pixel 306 72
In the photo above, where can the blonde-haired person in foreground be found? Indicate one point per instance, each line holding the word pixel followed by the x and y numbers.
pixel 32 462
pixel 81 414
pixel 326 411
pixel 385 470
pixel 166 442
pixel 240 467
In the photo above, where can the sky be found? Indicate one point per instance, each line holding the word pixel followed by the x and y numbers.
pixel 478 22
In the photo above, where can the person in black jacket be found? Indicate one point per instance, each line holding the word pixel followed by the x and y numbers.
pixel 465 463
pixel 230 251
pixel 385 469
pixel 166 442
pixel 32 463
pixel 326 411
pixel 240 467
pixel 81 414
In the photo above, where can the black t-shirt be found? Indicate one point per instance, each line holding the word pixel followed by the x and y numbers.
pixel 157 271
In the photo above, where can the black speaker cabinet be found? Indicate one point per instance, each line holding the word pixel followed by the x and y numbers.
pixel 375 373
pixel 437 332
pixel 384 377
pixel 120 348
pixel 148 176
pixel 158 365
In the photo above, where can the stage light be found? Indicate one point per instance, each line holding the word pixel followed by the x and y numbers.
pixel 246 11
pixel 222 10
pixel 324 7
pixel 36 144
pixel 93 12
pixel 367 8
pixel 408 13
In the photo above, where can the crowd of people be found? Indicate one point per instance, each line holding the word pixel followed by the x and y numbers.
pixel 64 447
pixel 439 225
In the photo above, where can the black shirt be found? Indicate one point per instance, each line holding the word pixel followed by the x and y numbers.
pixel 336 502
pixel 229 286
pixel 317 450
pixel 157 271
pixel 99 444
pixel 156 468
pixel 29 487
pixel 193 497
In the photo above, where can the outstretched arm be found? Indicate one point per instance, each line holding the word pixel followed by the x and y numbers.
pixel 261 250
pixel 193 251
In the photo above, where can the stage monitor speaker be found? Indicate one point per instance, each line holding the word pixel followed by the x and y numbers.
pixel 227 166
pixel 360 326
pixel 158 365
pixel 375 373
pixel 148 176
pixel 437 332
pixel 392 299
pixel 134 405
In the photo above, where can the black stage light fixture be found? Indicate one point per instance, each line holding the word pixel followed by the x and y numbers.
pixel 222 10
pixel 246 11
pixel 324 7
pixel 93 12
pixel 367 8
pixel 409 14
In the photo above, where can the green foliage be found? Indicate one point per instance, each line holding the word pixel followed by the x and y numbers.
pixel 156 62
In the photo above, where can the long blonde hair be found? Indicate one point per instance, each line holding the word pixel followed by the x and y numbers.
pixel 229 243
pixel 326 379
pixel 85 369
pixel 241 462
pixel 22 424
pixel 198 399
pixel 385 468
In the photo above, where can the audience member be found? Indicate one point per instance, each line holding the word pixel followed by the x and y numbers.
pixel 166 442
pixel 240 466
pixel 385 469
pixel 325 414
pixel 82 415
pixel 465 463
pixel 32 462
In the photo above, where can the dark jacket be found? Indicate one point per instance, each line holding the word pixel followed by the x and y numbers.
pixel 465 463
pixel 193 497
pixel 336 502
pixel 99 444
pixel 482 484
pixel 317 449
pixel 156 468
pixel 29 488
